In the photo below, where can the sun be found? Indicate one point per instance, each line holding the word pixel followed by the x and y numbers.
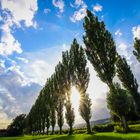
pixel 75 99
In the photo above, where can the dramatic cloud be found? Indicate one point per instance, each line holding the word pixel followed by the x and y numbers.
pixel 136 31
pixel 59 4
pixel 41 64
pixel 118 33
pixel 8 44
pixel 97 8
pixel 17 94
pixel 22 10
pixel 11 17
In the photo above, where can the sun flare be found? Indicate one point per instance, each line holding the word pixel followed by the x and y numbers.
pixel 75 99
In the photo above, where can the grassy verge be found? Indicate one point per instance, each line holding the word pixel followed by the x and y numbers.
pixel 135 128
pixel 98 136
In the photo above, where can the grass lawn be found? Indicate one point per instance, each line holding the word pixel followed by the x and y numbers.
pixel 98 136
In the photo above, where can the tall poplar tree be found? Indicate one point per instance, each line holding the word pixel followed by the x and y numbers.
pixel 100 48
pixel 81 80
pixel 60 95
pixel 67 74
pixel 119 102
pixel 128 80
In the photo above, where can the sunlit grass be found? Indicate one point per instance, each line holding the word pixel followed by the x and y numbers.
pixel 98 136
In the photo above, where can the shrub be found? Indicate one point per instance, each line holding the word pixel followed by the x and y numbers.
pixel 103 128
pixel 80 131
pixel 118 129
pixel 65 131
pixel 134 128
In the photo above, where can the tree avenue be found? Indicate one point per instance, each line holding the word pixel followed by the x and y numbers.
pixel 54 98
pixel 49 106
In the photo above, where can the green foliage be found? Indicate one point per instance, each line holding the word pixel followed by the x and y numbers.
pixel 118 129
pixel 80 131
pixel 85 107
pixel 69 115
pixel 136 52
pixel 103 128
pixel 100 48
pixel 60 118
pixel 81 80
pixel 128 80
pixel 17 126
pixel 119 102
pixel 135 127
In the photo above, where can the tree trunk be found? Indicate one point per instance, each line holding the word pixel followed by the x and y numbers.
pixel 52 130
pixel 88 127
pixel 60 130
pixel 43 125
pixel 47 130
pixel 70 132
pixel 124 124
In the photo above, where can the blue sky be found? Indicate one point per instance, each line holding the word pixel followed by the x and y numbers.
pixel 34 33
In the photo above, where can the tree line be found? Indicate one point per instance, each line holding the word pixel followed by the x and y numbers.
pixel 122 100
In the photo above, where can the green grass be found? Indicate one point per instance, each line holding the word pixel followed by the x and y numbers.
pixel 98 136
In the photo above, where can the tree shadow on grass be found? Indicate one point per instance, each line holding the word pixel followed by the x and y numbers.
pixel 38 138
pixel 96 137
pixel 87 137
pixel 66 137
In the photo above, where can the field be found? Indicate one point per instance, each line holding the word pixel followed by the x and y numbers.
pixel 98 136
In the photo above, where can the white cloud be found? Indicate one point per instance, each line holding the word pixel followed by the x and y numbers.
pixel 80 14
pixel 123 50
pixel 8 44
pixel 79 2
pixel 41 70
pixel 59 4
pixel 122 47
pixel 42 63
pixel 22 10
pixel 16 94
pixel 2 63
pixel 118 33
pixel 136 31
pixel 0 18
pixel 97 8
pixel 15 13
pixel 97 91
pixel 22 59
pixel 46 11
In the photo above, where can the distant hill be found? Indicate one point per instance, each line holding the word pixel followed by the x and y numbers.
pixel 101 121
pixel 82 125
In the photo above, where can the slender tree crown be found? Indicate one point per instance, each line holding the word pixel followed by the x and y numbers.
pixel 136 52
pixel 100 48
pixel 126 76
pixel 119 102
pixel 81 72
pixel 81 80
pixel 128 80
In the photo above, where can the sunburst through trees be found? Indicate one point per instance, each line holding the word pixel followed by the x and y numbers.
pixel 66 89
